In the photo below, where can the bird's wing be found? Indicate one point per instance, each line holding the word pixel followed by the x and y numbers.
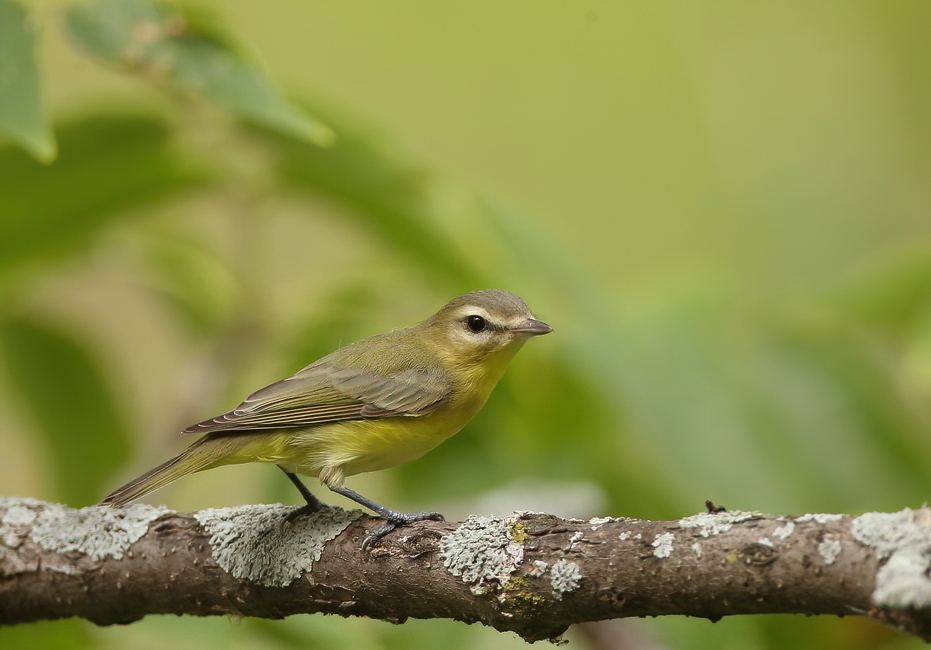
pixel 323 393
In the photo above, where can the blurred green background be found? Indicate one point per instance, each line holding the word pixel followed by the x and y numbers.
pixel 723 209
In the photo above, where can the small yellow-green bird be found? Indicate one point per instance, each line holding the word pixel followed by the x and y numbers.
pixel 372 404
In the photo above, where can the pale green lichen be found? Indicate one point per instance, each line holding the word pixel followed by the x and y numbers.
pixel 784 531
pixel 16 518
pixel 888 532
pixel 18 515
pixel 564 577
pixel 15 523
pixel 903 581
pixel 538 569
pixel 482 550
pixel 819 518
pixel 710 524
pixel 96 532
pixel 829 549
pixel 257 542
pixel 598 522
pixel 903 540
pixel 9 502
pixel 662 545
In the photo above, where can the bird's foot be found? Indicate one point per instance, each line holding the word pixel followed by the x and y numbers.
pixel 393 517
pixel 304 510
pixel 394 520
pixel 313 503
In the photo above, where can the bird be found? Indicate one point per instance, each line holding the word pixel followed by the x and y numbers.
pixel 372 404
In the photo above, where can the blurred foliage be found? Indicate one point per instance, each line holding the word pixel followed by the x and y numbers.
pixel 391 198
pixel 59 383
pixel 205 234
pixel 22 111
pixel 109 164
pixel 182 49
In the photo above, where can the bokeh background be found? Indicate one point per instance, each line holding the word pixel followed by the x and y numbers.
pixel 722 208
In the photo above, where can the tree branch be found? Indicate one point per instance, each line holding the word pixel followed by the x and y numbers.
pixel 533 574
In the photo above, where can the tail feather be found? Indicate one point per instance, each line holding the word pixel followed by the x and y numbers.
pixel 201 455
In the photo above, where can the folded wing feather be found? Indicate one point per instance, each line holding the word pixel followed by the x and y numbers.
pixel 325 393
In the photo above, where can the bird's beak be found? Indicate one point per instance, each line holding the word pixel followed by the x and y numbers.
pixel 533 327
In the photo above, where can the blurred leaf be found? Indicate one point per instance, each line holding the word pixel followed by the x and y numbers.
pixel 69 634
pixel 833 633
pixel 543 420
pixel 344 321
pixel 391 198
pixel 163 43
pixel 562 415
pixel 107 165
pixel 193 281
pixel 326 632
pixel 849 398
pixel 22 110
pixel 893 297
pixel 64 390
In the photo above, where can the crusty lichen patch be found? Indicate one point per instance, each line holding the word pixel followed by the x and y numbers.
pixel 819 518
pixel 785 530
pixel 487 551
pixel 96 532
pixel 662 545
pixel 564 577
pixel 257 542
pixel 482 550
pixel 710 524
pixel 830 548
pixel 903 540
pixel 598 522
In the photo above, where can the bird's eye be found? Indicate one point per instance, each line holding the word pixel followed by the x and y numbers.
pixel 476 323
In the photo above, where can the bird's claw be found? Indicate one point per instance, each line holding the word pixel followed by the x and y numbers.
pixel 399 519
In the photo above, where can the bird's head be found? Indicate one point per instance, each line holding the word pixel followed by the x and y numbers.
pixel 480 324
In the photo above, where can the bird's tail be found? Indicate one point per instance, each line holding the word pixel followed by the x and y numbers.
pixel 203 454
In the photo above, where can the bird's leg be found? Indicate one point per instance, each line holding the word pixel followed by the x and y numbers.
pixel 394 518
pixel 313 503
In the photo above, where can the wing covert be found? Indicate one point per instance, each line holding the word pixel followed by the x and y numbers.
pixel 323 393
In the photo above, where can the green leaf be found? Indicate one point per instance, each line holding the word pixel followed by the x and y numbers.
pixel 871 435
pixel 392 199
pixel 167 45
pixel 23 115
pixel 64 390
pixel 193 281
pixel 107 165
pixel 892 298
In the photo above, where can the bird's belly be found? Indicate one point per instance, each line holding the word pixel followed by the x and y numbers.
pixel 349 448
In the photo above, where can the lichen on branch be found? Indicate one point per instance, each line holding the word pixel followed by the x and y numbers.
pixel 530 573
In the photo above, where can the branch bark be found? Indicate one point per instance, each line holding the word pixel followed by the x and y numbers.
pixel 530 573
